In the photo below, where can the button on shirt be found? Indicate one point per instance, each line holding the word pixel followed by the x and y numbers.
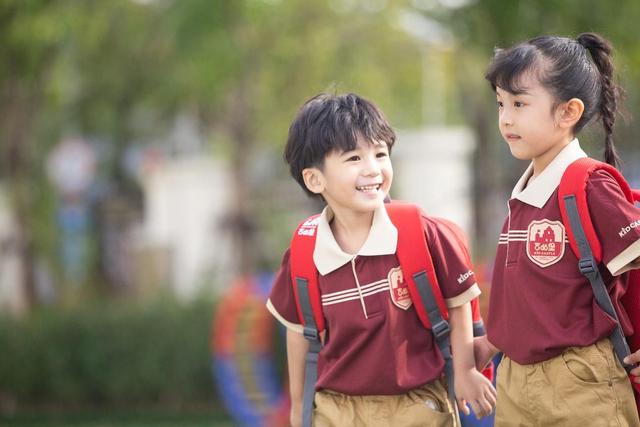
pixel 374 345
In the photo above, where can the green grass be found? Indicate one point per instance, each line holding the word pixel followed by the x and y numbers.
pixel 117 419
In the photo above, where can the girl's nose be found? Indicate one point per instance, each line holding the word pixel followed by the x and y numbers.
pixel 505 119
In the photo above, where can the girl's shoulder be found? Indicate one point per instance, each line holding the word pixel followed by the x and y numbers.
pixel 602 182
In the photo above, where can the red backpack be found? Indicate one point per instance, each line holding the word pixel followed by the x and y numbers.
pixel 572 195
pixel 417 266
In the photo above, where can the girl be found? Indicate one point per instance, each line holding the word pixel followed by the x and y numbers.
pixel 559 367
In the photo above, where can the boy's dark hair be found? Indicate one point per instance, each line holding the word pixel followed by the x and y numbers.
pixel 568 68
pixel 328 123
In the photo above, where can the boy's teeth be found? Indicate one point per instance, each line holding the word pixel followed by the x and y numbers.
pixel 368 187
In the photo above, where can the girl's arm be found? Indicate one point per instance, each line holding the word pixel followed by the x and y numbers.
pixel 470 385
pixel 297 346
pixel 634 358
pixel 484 351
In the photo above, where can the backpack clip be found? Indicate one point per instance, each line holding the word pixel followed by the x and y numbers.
pixel 311 333
pixel 441 329
pixel 587 266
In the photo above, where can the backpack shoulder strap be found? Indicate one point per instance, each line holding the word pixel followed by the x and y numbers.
pixel 418 271
pixel 417 266
pixel 304 279
pixel 574 185
pixel 304 275
pixel 572 195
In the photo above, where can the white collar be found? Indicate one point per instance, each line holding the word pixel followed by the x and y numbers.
pixel 538 192
pixel 328 256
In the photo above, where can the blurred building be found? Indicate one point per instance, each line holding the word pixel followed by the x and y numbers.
pixel 185 202
pixel 432 167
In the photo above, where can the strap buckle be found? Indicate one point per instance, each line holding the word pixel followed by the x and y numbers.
pixel 441 329
pixel 587 266
pixel 311 333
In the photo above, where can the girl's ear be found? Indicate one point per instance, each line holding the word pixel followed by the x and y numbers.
pixel 570 112
pixel 313 180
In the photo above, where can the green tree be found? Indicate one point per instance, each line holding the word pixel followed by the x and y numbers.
pixel 482 25
pixel 248 65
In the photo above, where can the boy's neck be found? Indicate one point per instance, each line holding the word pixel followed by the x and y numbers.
pixel 351 229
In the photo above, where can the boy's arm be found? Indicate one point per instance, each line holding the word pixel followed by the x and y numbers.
pixel 297 346
pixel 470 385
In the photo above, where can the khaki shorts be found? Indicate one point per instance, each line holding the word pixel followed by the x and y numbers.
pixel 425 406
pixel 584 386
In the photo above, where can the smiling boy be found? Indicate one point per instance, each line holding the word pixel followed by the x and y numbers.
pixel 378 365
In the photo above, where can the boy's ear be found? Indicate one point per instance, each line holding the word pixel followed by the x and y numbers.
pixel 313 180
pixel 570 112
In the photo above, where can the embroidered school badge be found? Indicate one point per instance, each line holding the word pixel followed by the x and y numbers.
pixel 545 242
pixel 399 289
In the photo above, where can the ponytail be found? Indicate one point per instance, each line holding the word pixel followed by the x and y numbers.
pixel 601 50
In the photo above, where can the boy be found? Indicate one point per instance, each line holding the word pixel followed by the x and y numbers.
pixel 378 365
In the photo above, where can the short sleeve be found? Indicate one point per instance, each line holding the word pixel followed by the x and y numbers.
pixel 451 263
pixel 281 303
pixel 616 222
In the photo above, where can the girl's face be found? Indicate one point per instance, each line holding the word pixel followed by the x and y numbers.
pixel 529 121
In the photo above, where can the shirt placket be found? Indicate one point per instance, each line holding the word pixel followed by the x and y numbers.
pixel 512 254
pixel 355 277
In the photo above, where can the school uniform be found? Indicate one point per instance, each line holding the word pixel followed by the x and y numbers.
pixel 378 365
pixel 559 367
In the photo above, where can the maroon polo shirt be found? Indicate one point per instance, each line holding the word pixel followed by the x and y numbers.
pixel 375 343
pixel 540 304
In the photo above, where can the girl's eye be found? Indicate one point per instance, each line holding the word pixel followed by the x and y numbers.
pixel 518 104
pixel 500 104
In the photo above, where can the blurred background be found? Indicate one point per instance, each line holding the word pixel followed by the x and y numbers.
pixel 144 201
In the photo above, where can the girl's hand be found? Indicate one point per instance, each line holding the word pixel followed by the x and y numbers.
pixel 634 359
pixel 474 388
pixel 483 352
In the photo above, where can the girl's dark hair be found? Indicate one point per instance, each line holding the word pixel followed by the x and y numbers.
pixel 580 68
pixel 328 123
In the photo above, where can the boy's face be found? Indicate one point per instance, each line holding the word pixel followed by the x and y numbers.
pixel 354 181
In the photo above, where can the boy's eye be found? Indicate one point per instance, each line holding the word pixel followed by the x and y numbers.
pixel 353 159
pixel 382 154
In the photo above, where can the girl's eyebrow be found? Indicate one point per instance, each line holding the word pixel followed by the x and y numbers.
pixel 523 91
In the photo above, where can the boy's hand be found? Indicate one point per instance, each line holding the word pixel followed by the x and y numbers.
pixel 474 388
pixel 634 359
pixel 483 352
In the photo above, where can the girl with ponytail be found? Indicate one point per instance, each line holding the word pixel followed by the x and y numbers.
pixel 559 367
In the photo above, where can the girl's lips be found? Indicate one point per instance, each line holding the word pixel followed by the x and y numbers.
pixel 512 136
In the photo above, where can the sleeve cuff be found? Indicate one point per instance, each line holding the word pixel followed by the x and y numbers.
pixel 291 326
pixel 624 261
pixel 465 297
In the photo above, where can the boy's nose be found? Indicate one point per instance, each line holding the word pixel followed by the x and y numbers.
pixel 372 167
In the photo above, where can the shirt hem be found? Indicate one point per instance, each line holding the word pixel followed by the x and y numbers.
pixel 465 297
pixel 289 325
pixel 624 261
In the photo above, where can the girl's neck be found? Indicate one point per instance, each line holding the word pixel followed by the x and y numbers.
pixel 541 162
pixel 351 230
